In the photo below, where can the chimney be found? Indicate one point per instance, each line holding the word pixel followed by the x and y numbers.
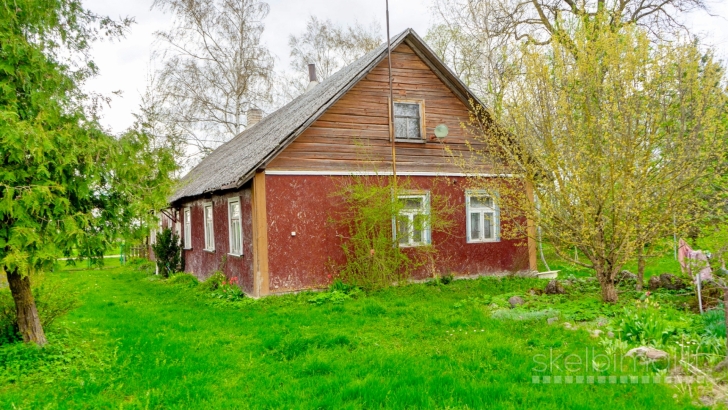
pixel 254 116
pixel 311 76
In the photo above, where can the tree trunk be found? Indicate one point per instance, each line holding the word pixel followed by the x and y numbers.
pixel 640 269
pixel 27 314
pixel 606 281
pixel 609 292
pixel 725 309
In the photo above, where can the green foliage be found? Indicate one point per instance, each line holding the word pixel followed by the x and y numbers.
pixel 513 314
pixel 168 252
pixel 714 322
pixel 337 293
pixel 380 351
pixel 334 297
pixel 650 324
pixel 441 280
pixel 53 299
pixel 374 258
pixel 213 282
pixel 66 356
pixel 67 188
pixel 228 290
pixel 611 117
pixel 184 279
pixel 63 184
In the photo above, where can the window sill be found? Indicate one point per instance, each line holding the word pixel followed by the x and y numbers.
pixel 416 245
pixel 484 241
pixel 420 141
pixel 209 250
pixel 237 255
pixel 186 249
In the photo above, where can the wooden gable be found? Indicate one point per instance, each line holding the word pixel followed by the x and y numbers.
pixel 353 134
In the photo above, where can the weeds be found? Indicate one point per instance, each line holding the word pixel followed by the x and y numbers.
pixel 647 324
pixel 53 299
pixel 370 217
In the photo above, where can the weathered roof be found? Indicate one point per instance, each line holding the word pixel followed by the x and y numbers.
pixel 236 161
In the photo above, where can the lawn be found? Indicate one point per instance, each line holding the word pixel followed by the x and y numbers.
pixel 664 262
pixel 141 343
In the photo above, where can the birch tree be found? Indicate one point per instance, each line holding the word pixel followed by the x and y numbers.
pixel 619 141
pixel 330 47
pixel 214 69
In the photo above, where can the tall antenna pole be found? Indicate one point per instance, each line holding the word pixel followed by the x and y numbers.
pixel 391 106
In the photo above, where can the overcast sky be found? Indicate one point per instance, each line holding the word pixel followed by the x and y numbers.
pixel 125 65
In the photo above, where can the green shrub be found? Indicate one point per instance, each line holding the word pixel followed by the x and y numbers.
pixel 141 264
pixel 338 292
pixel 714 322
pixel 374 259
pixel 184 279
pixel 65 355
pixel 334 297
pixel 213 282
pixel 168 253
pixel 219 287
pixel 52 299
pixel 648 324
pixel 441 280
pixel 229 290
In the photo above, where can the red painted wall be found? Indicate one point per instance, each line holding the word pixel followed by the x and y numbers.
pixel 303 204
pixel 202 263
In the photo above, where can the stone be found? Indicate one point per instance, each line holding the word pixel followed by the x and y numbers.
pixel 552 320
pixel 554 288
pixel 654 283
pixel 671 282
pixel 516 301
pixel 627 276
pixel 596 333
pixel 610 334
pixel 647 353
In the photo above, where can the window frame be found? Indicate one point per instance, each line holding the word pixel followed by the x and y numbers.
pixel 231 251
pixel 425 210
pixel 423 130
pixel 187 227
pixel 205 206
pixel 482 211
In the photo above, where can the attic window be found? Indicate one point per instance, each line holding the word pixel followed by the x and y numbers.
pixel 407 121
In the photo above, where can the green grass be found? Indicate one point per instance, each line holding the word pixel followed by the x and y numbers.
pixel 665 262
pixel 140 343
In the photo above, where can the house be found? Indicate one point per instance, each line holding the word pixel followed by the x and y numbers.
pixel 257 207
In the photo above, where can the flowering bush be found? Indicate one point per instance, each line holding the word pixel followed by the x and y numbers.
pixel 228 289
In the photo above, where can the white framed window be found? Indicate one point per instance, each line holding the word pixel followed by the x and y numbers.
pixel 412 224
pixel 235 225
pixel 187 230
pixel 482 217
pixel 209 227
pixel 408 121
